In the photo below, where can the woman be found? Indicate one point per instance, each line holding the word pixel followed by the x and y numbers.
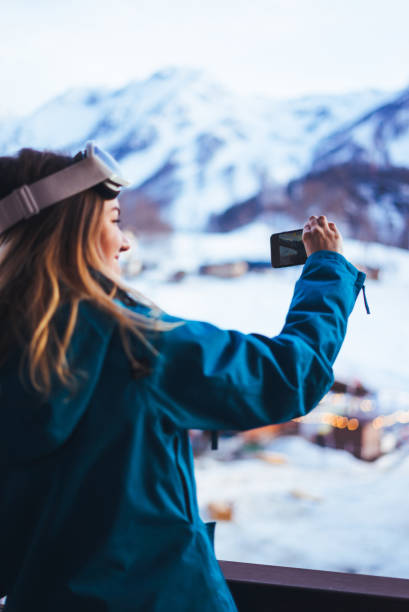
pixel 98 390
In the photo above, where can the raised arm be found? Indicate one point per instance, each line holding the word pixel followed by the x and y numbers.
pixel 208 378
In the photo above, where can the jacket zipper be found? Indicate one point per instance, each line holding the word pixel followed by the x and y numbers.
pixel 183 480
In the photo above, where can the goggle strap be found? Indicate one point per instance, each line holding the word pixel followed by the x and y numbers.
pixel 20 204
pixel 68 182
pixel 27 201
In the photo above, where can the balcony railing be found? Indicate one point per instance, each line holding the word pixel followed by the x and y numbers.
pixel 266 588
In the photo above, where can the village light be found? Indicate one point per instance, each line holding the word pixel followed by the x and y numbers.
pixel 353 424
pixel 341 422
pixel 378 422
pixel 366 405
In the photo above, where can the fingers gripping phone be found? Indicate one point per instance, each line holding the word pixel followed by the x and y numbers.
pixel 287 249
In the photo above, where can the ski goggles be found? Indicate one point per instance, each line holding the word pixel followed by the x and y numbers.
pixel 91 168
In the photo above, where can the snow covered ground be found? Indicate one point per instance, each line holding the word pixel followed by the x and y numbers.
pixel 320 509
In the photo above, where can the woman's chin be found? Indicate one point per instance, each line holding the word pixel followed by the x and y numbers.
pixel 116 267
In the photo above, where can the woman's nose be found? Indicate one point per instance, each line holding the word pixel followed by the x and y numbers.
pixel 126 245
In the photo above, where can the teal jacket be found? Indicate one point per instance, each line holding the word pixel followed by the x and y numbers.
pixel 98 508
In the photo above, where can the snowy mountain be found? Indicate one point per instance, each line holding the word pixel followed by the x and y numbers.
pixel 191 148
pixel 360 175
pixel 380 137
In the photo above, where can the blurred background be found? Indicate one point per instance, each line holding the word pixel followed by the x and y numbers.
pixel 234 120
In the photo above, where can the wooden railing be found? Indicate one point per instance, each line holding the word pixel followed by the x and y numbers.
pixel 268 588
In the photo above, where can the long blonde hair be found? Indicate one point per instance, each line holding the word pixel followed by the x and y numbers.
pixel 49 260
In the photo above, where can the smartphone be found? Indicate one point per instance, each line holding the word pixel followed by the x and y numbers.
pixel 287 249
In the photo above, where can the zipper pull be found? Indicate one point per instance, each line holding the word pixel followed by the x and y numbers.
pixel 215 440
pixel 365 300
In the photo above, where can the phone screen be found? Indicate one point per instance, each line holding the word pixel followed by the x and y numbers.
pixel 287 249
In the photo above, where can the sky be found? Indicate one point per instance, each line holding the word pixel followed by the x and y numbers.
pixel 280 48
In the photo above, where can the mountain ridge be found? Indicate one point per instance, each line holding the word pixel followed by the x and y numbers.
pixel 197 153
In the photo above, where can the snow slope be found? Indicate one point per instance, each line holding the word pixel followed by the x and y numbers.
pixel 379 137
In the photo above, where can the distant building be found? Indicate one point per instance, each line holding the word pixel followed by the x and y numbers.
pixel 364 442
pixel 225 270
pixel 348 421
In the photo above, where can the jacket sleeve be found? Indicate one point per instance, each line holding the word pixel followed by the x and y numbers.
pixel 208 378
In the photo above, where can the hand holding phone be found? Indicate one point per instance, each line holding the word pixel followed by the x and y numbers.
pixel 292 248
pixel 320 235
